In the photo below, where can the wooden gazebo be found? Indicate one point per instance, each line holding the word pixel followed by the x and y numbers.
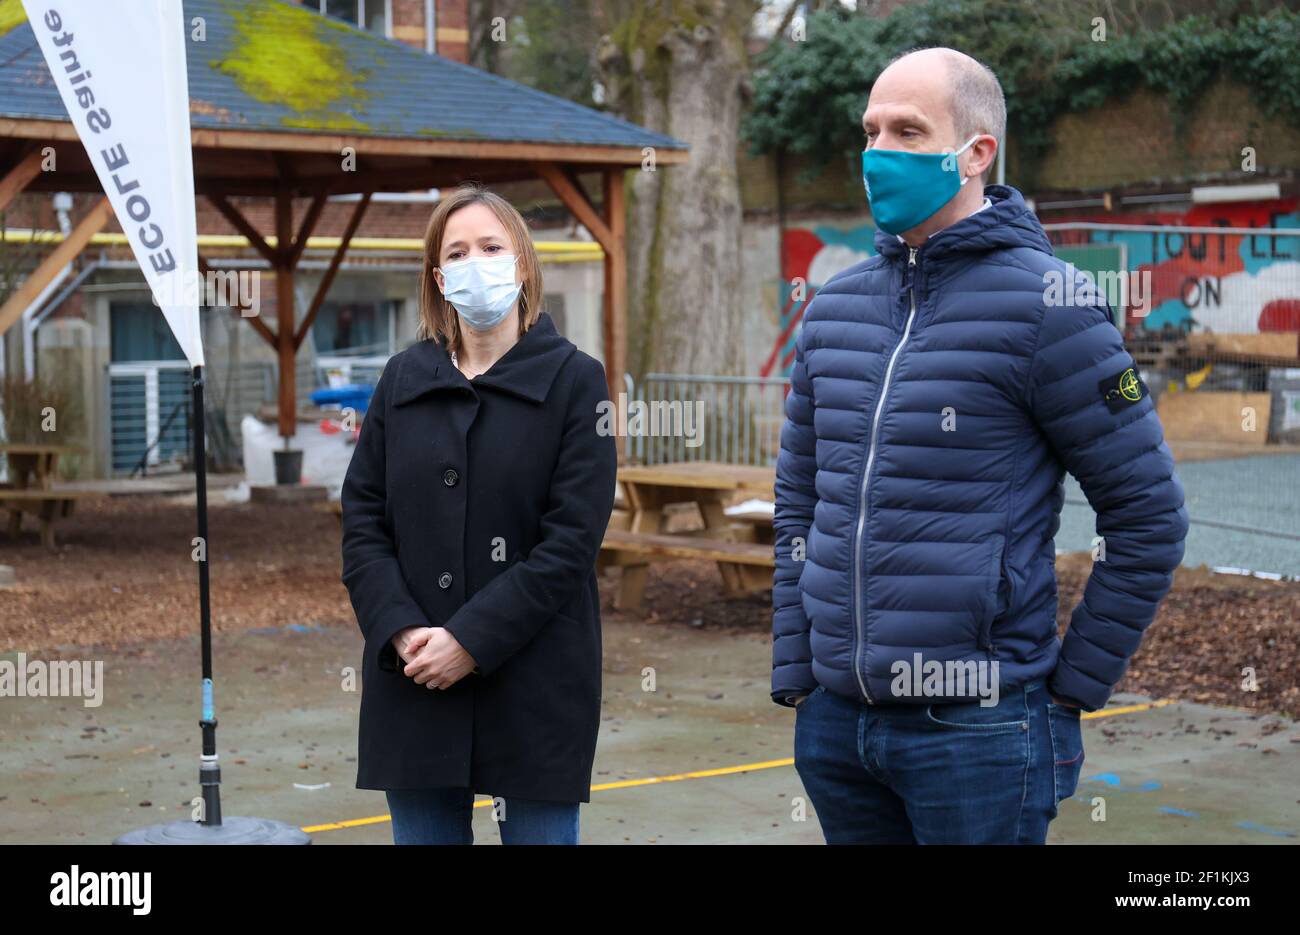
pixel 357 115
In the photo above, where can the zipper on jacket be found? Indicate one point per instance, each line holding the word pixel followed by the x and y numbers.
pixel 859 634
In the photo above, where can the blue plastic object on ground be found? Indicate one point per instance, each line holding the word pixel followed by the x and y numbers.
pixel 353 396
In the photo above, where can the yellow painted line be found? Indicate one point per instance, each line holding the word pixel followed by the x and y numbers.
pixel 698 774
pixel 350 823
pixel 602 787
pixel 1128 709
pixel 570 251
pixel 704 773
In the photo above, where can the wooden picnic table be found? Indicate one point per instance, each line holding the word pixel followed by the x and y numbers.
pixel 738 544
pixel 34 465
pixel 31 488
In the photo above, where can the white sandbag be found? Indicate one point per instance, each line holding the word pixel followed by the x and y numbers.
pixel 325 456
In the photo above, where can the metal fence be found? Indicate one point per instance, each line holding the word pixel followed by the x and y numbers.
pixel 345 369
pixel 687 417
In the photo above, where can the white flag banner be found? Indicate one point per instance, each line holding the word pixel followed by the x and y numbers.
pixel 120 69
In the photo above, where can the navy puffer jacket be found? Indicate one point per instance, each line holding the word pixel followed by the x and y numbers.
pixel 938 395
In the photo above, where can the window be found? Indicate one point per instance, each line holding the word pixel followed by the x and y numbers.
pixel 355 328
pixel 370 15
pixel 138 331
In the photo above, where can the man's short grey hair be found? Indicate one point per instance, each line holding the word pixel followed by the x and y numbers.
pixel 978 104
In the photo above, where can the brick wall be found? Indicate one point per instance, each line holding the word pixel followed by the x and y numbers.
pixel 451 20
pixel 1134 141
pixel 1129 142
pixel 408 22
pixel 453 29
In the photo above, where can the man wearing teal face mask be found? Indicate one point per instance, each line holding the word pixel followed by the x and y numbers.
pixel 938 396
pixel 914 168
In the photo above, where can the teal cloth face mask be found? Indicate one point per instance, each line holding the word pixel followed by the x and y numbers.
pixel 906 188
pixel 481 288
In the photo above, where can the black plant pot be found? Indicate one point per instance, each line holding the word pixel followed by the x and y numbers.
pixel 288 467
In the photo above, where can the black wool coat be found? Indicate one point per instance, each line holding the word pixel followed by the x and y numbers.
pixel 479 505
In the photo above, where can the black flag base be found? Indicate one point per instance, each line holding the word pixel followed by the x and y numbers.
pixel 236 830
pixel 213 828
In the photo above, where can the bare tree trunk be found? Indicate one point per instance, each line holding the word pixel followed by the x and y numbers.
pixel 682 68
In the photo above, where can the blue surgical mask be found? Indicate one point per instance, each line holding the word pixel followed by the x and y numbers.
pixel 905 188
pixel 481 288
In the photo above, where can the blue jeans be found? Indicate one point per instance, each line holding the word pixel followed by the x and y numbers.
pixel 444 816
pixel 944 773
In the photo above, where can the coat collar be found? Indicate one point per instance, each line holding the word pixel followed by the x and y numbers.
pixel 1007 223
pixel 526 370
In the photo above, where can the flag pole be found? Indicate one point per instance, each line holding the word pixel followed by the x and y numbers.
pixel 209 771
pixel 210 828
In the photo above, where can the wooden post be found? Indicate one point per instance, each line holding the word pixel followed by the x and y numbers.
pixel 615 305
pixel 284 265
pixel 611 232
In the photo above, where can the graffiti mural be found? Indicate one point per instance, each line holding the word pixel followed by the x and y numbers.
pixel 809 257
pixel 1227 283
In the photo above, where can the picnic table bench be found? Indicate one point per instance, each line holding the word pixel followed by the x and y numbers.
pixel 31 489
pixel 740 545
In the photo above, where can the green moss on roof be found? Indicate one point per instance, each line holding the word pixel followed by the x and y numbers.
pixel 11 14
pixel 288 55
pixel 459 133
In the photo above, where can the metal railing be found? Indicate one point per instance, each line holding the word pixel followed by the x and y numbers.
pixel 689 417
pixel 347 368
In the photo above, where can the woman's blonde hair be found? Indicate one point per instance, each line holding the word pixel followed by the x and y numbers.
pixel 437 316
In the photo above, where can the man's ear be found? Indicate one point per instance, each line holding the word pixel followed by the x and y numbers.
pixel 983 152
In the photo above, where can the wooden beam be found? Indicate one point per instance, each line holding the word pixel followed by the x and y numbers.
pixel 335 142
pixel 240 223
pixel 255 320
pixel 571 193
pixel 327 280
pixel 444 148
pixel 17 178
pixel 56 260
pixel 382 174
pixel 284 314
pixel 307 226
pixel 615 303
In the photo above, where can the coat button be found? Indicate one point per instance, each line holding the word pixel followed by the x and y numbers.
pixel 444 580
pixel 449 477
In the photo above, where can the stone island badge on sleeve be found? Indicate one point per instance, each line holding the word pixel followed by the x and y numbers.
pixel 1122 390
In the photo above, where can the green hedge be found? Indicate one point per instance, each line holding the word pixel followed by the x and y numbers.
pixel 809 95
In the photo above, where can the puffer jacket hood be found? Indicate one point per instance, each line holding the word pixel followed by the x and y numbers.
pixel 938 397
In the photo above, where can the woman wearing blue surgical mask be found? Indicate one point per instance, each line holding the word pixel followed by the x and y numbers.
pixel 473 512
